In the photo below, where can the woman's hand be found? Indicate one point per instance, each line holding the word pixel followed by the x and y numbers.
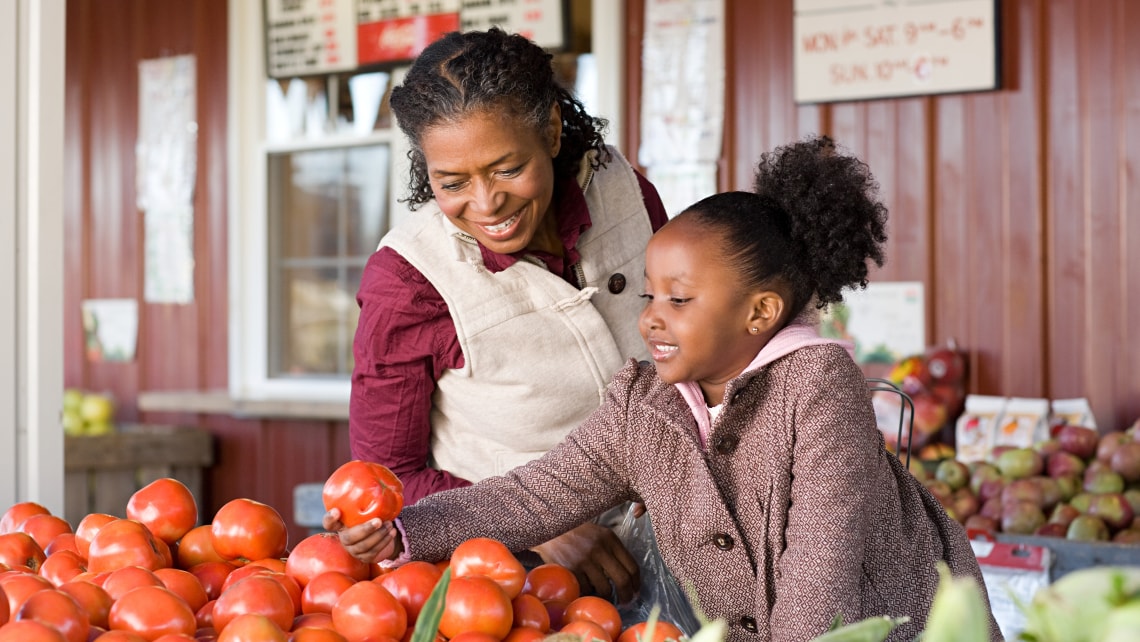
pixel 597 558
pixel 368 542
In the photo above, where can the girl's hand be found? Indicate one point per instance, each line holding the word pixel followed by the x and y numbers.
pixel 368 542
pixel 598 559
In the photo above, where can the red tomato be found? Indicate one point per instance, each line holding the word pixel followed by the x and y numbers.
pixel 121 543
pixel 62 566
pixel 213 576
pixel 151 611
pixel 185 585
pixel 363 490
pixel 529 611
pixel 165 506
pixel 44 528
pixel 251 627
pixel 87 528
pixel 246 530
pixel 315 634
pixel 662 632
pixel 489 558
pixel 275 564
pixel 121 636
pixel 17 513
pixel 258 594
pixel 411 584
pixel 525 634
pixel 18 586
pixel 59 611
pixel 475 636
pixel 62 542
pixel 291 587
pixel 597 610
pixel 126 579
pixel 197 546
pixel 313 621
pixel 94 601
pixel 3 606
pixel 322 592
pixel 319 553
pixel 205 616
pixel 555 609
pixel 175 637
pixel 552 582
pixel 19 549
pixel 29 631
pixel 586 630
pixel 242 572
pixel 368 611
pixel 475 603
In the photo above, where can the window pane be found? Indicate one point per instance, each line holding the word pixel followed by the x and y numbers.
pixel 318 314
pixel 366 171
pixel 306 194
pixel 328 210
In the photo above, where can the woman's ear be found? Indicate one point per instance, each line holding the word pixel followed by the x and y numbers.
pixel 554 130
pixel 767 312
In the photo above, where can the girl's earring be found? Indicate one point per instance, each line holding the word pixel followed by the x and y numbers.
pixel 754 330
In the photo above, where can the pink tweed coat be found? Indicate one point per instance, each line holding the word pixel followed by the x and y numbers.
pixel 794 514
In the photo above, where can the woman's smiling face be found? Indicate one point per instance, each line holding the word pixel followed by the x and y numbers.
pixel 697 315
pixel 493 175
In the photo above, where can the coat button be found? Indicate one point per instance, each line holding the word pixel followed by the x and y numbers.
pixel 726 445
pixel 617 283
pixel 748 624
pixel 724 542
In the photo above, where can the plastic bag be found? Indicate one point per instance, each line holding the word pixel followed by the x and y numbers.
pixel 1013 573
pixel 658 585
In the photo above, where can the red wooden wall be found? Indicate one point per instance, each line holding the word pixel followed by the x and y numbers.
pixel 1019 209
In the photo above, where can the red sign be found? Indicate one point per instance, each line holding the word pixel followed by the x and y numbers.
pixel 401 38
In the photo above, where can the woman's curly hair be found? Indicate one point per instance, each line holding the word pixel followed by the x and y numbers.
pixel 812 223
pixel 465 72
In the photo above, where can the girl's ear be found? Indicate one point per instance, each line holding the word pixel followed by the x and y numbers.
pixel 554 130
pixel 767 312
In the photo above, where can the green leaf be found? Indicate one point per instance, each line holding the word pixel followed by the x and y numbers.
pixel 427 625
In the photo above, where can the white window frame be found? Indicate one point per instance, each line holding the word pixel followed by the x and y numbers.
pixel 248 218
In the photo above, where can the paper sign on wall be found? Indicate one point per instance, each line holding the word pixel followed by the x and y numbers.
pixel 860 49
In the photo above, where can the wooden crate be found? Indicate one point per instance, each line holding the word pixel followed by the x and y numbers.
pixel 102 472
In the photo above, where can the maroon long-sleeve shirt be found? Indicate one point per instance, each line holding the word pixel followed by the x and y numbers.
pixel 405 340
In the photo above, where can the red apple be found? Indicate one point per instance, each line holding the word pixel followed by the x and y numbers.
pixel 1079 440
pixel 946 366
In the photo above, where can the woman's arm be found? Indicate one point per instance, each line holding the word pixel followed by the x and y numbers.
pixel 405 339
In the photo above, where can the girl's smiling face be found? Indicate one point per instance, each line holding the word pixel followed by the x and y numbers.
pixel 493 175
pixel 697 318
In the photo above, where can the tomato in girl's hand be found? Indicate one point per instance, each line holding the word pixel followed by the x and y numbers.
pixel 363 490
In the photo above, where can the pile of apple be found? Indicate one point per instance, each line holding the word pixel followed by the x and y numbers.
pixel 1078 485
pixel 158 576
pixel 87 413
pixel 935 383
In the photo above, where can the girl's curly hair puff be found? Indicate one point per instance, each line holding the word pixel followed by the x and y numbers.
pixel 812 224
pixel 465 72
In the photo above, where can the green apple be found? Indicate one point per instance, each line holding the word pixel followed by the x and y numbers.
pixel 72 398
pixel 96 407
pixel 95 428
pixel 72 422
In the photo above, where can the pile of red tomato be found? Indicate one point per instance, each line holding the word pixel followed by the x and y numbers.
pixel 158 576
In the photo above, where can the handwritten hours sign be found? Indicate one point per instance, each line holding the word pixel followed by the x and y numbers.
pixel 860 49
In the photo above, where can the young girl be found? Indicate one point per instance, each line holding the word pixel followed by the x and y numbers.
pixel 750 439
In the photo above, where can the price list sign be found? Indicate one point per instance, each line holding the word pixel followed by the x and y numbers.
pixel 863 49
pixel 304 37
pixel 396 30
pixel 542 21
